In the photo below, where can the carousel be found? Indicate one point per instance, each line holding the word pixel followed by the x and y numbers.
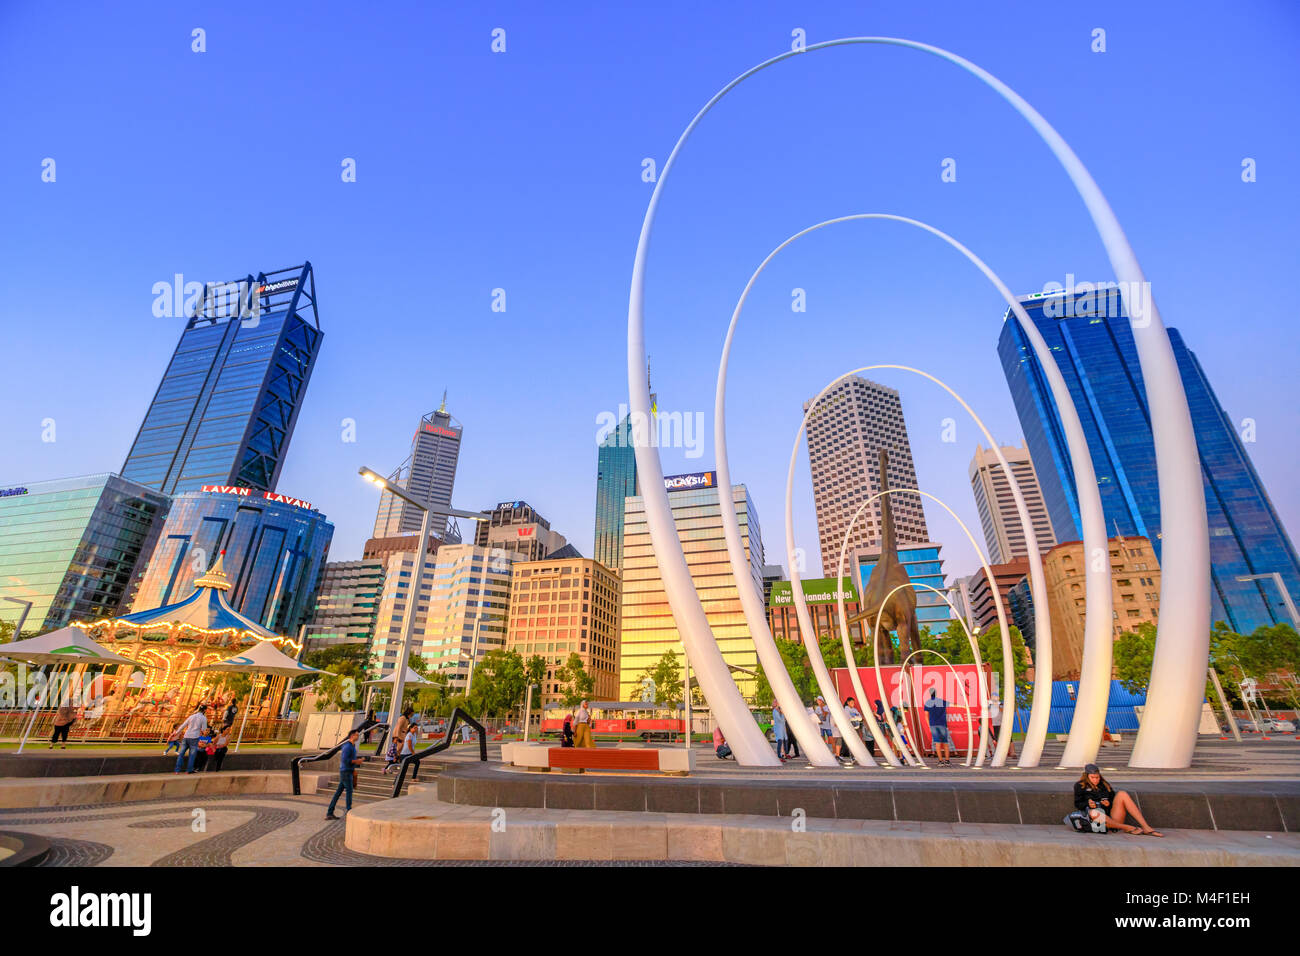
pixel 182 645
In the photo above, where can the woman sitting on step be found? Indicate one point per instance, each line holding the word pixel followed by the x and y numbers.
pixel 1097 798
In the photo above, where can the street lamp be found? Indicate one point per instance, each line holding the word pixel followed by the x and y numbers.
pixel 1281 586
pixel 22 618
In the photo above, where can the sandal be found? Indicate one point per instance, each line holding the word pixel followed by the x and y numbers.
pixel 1150 832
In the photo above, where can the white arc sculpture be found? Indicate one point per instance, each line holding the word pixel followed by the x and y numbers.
pixel 1168 733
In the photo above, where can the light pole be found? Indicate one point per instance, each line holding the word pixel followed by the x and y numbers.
pixel 1281 586
pixel 473 653
pixel 528 708
pixel 22 618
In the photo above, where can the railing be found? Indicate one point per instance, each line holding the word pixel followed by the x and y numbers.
pixel 122 728
pixel 295 765
pixel 457 716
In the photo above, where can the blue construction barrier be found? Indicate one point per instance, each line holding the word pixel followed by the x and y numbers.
pixel 1120 715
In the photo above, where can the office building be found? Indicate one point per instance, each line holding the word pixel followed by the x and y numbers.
pixel 647 620
pixel 228 402
pixel 853 422
pixel 566 606
pixel 428 474
pixel 275 550
pixel 983 607
pixel 1135 591
pixel 924 567
pixel 999 518
pixel 347 603
pixel 74 547
pixel 515 526
pixel 615 481
pixel 823 608
pixel 1092 342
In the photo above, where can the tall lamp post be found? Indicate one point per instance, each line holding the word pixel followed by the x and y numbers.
pixel 22 618
pixel 408 619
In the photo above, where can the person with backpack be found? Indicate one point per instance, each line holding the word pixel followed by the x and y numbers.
pixel 1105 808
pixel 720 743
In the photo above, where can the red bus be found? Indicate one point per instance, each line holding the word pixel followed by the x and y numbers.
pixel 621 719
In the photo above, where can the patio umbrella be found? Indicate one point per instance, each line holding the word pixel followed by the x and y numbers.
pixel 69 646
pixel 263 658
pixel 412 678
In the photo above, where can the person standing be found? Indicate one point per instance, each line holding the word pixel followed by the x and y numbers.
pixel 566 733
pixel 348 763
pixel 174 739
pixel 228 718
pixel 582 727
pixel 220 744
pixel 779 731
pixel 936 709
pixel 63 719
pixel 193 728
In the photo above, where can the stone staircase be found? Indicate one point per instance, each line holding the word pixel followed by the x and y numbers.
pixel 373 784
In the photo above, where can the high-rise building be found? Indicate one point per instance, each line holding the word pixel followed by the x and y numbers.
pixel 428 474
pixel 515 526
pixel 1090 337
pixel 823 608
pixel 461 611
pixel 74 548
pixel 924 566
pixel 615 481
pixel 1135 591
pixel 648 627
pixel 997 508
pixel 562 607
pixel 275 548
pixel 983 609
pixel 228 402
pixel 852 423
pixel 347 603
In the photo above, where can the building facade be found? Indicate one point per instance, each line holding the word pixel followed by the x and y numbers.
pixel 347 603
pixel 823 607
pixel 854 421
pixel 999 518
pixel 563 607
pixel 228 402
pixel 515 526
pixel 983 607
pixel 275 550
pixel 647 621
pixel 924 566
pixel 74 547
pixel 1090 336
pixel 615 481
pixel 1135 590
pixel 428 474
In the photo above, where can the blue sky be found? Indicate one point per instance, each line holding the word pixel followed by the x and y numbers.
pixel 522 171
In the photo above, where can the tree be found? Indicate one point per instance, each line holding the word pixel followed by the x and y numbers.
pixel 576 684
pixel 499 683
pixel 1270 654
pixel 346 667
pixel 668 681
pixel 990 644
pixel 1133 654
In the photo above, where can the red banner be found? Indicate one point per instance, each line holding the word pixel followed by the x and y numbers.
pixel 956 689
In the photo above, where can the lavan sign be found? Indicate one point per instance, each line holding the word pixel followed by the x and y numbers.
pixel 248 492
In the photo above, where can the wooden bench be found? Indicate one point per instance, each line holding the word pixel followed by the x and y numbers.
pixel 676 761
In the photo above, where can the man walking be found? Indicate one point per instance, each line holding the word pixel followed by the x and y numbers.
pixel 193 728
pixel 778 730
pixel 582 727
pixel 936 708
pixel 348 763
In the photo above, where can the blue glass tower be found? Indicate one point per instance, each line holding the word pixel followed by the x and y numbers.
pixel 229 400
pixel 615 480
pixel 1090 336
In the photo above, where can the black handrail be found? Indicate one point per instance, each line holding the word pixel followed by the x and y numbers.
pixel 457 715
pixel 297 762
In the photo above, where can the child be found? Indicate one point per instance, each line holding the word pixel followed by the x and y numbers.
pixel 174 740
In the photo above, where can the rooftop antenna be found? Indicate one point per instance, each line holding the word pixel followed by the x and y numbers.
pixel 442 409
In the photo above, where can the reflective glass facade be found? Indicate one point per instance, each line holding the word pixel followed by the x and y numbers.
pixel 229 400
pixel 924 566
pixel 1093 344
pixel 275 556
pixel 347 603
pixel 615 482
pixel 73 547
pixel 648 627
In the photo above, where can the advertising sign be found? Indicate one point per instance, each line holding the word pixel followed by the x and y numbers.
pixel 816 591
pixel 910 696
pixel 698 479
pixel 268 495
pixel 10 492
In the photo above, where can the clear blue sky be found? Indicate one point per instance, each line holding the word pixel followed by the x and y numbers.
pixel 522 171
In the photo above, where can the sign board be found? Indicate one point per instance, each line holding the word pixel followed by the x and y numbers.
pixel 816 591
pixel 915 691
pixel 698 479
pixel 248 492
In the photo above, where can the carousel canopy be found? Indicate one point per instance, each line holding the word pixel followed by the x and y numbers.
pixel 64 646
pixel 204 610
pixel 411 678
pixel 264 658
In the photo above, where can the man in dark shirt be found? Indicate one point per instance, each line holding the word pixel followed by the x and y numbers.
pixel 348 762
pixel 936 708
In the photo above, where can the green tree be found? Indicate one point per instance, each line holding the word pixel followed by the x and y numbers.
pixel 990 644
pixel 499 683
pixel 575 683
pixel 346 667
pixel 1270 654
pixel 1133 653
pixel 668 680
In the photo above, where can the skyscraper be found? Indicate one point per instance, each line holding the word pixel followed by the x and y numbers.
pixel 615 480
pixel 515 526
pixel 229 400
pixel 1089 335
pixel 997 508
pixel 851 424
pixel 428 474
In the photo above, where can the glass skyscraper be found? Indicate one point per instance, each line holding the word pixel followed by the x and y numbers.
pixel 1090 337
pixel 72 546
pixel 615 481
pixel 428 475
pixel 229 400
pixel 275 554
pixel 924 566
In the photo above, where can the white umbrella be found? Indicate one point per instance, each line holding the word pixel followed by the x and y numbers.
pixel 411 678
pixel 263 658
pixel 67 645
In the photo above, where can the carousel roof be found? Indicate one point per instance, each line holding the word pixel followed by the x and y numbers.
pixel 205 610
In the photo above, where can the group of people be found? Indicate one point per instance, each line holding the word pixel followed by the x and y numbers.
pixel 576 731
pixel 199 746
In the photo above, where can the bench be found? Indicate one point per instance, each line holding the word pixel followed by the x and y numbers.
pixel 676 761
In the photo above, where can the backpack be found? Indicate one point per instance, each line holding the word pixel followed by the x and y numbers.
pixel 1081 822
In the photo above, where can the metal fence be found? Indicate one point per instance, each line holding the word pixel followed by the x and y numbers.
pixel 126 729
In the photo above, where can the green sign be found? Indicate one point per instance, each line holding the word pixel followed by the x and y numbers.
pixel 816 591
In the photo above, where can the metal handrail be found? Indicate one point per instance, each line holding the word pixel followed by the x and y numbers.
pixel 295 765
pixel 457 715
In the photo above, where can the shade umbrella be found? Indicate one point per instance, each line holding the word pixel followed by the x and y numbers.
pixel 263 658
pixel 67 645
pixel 411 678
